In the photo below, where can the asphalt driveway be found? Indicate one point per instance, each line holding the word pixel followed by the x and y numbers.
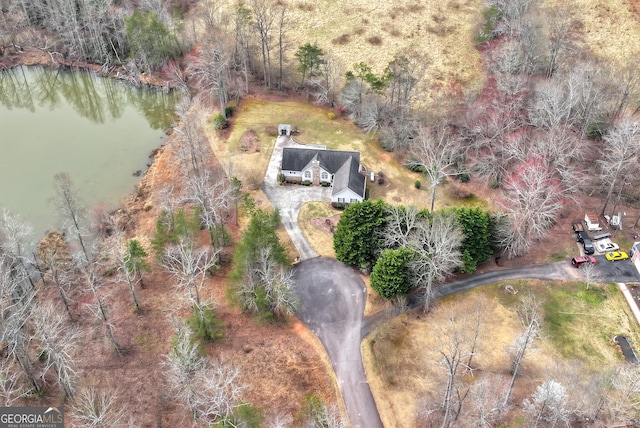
pixel 331 303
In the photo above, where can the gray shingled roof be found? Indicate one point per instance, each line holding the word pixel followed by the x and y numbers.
pixel 343 164
pixel 348 176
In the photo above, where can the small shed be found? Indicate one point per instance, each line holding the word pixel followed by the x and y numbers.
pixel 284 130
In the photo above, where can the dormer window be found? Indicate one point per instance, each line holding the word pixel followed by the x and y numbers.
pixel 307 174
pixel 324 176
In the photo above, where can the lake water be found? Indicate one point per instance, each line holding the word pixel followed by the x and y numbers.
pixel 98 130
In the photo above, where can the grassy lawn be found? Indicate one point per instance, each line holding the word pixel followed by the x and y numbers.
pixel 316 127
pixel 312 222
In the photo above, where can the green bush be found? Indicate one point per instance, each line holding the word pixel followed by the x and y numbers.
pixel 228 111
pixel 245 415
pixel 417 184
pixel 171 227
pixel 597 129
pixel 463 177
pixel 390 274
pixel 491 16
pixel 414 165
pixel 219 122
pixel 205 324
pixel 357 237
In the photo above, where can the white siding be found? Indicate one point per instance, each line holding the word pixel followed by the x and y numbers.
pixel 292 174
pixel 347 195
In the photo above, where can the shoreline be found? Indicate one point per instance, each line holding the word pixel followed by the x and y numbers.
pixel 31 56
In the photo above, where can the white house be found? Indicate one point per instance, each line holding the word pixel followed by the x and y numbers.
pixel 339 169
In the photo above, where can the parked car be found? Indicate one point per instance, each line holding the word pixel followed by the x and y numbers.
pixel 616 255
pixel 606 245
pixel 582 260
pixel 585 240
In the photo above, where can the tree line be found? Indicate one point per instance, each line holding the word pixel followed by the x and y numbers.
pixel 407 249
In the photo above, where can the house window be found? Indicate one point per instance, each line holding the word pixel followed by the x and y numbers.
pixel 307 174
pixel 353 201
pixel 324 176
pixel 341 200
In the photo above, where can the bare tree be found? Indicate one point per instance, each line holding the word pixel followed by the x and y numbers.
pixel 401 225
pixel 436 246
pixel 485 406
pixel 561 26
pixel 590 273
pixel 325 416
pixel 99 308
pixel 17 299
pixel 511 12
pixel 455 345
pixel 548 404
pixel 620 156
pixel 437 150
pixel 10 386
pixel 619 400
pixel 56 262
pixel 242 29
pixel 16 243
pixel 73 214
pixel 434 240
pixel 530 317
pixel 549 108
pixel 269 284
pixel 127 272
pixel 58 344
pixel 326 83
pixel 204 184
pixel 625 82
pixel 495 128
pixel 210 390
pixel 189 266
pixel 97 408
pixel 264 14
pixel 283 18
pixel 586 92
pixel 535 198
pixel 211 67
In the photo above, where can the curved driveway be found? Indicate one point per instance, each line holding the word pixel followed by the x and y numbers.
pixel 332 298
pixel 289 199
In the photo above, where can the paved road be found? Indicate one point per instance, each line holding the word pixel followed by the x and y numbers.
pixel 332 298
pixel 622 271
pixel 289 199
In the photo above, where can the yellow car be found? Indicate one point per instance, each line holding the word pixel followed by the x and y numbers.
pixel 616 255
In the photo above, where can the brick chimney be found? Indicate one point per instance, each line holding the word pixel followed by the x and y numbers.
pixel 315 172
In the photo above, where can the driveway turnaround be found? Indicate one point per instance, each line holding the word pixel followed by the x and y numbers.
pixel 331 303
pixel 289 199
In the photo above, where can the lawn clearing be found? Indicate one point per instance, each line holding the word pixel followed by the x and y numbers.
pixel 315 127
